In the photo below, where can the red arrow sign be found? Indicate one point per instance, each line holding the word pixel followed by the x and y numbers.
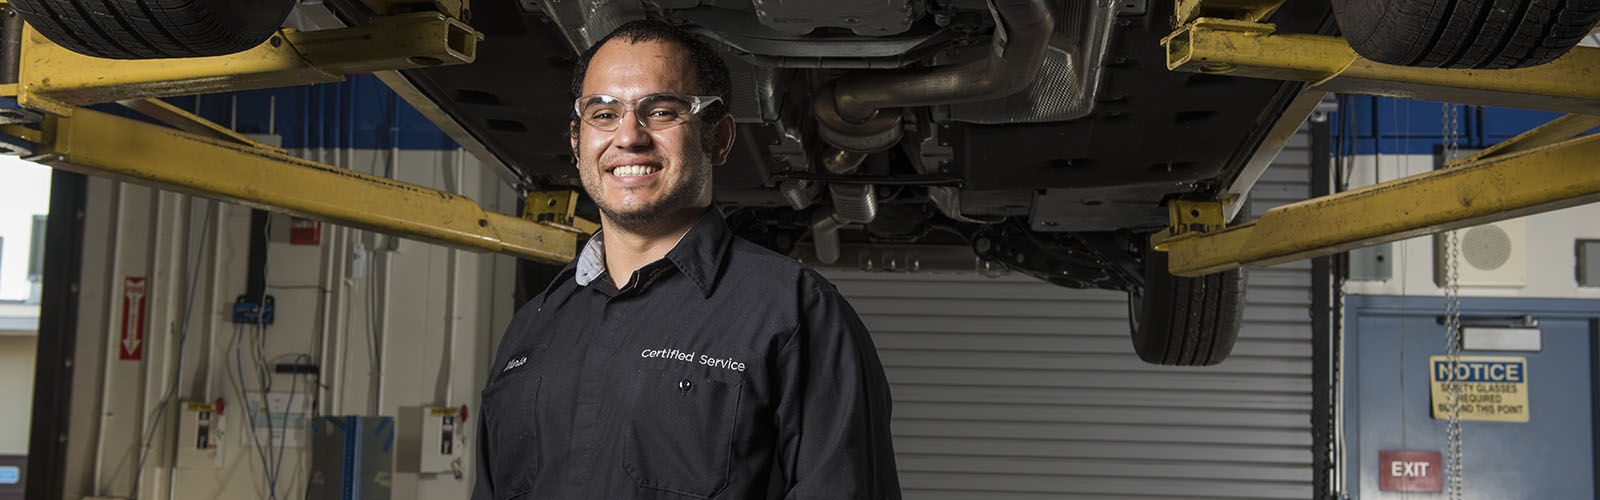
pixel 133 308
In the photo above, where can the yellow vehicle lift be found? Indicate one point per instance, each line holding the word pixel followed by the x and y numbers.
pixel 1539 171
pixel 1542 170
pixel 199 157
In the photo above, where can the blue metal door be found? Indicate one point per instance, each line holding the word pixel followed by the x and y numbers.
pixel 1387 396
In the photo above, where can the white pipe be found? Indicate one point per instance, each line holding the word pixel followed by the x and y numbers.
pixel 380 344
pixel 332 361
pixel 386 265
pixel 161 248
pixel 341 327
pixel 114 269
pixel 336 259
pixel 452 281
pixel 1341 484
pixel 214 321
pixel 332 283
pixel 340 237
pixel 341 336
pixel 184 304
pixel 325 283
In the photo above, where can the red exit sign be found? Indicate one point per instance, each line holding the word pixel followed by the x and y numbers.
pixel 1410 471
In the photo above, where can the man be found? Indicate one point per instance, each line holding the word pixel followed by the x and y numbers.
pixel 673 359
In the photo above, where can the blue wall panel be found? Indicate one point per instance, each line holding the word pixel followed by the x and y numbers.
pixel 360 113
pixel 363 113
pixel 1371 125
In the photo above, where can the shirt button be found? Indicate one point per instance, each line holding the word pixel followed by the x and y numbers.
pixel 684 385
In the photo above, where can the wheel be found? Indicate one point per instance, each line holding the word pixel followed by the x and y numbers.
pixel 1185 321
pixel 1480 34
pixel 155 29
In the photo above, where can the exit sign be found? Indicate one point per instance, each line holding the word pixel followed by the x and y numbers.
pixel 1410 471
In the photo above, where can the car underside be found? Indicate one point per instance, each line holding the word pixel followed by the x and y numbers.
pixel 1062 179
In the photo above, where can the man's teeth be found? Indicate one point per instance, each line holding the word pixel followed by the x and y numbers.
pixel 634 170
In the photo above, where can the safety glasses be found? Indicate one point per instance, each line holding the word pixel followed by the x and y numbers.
pixel 654 111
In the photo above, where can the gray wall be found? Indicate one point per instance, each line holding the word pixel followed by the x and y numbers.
pixel 391 335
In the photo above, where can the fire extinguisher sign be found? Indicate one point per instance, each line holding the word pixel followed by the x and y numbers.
pixel 134 291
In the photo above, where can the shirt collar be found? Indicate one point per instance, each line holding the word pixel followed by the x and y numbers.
pixel 592 260
pixel 698 254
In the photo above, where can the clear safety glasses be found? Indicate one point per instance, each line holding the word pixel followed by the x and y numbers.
pixel 654 111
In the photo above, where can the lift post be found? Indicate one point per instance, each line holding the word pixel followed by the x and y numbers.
pixel 1542 170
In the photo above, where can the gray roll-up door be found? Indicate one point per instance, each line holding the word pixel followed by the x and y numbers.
pixel 1010 388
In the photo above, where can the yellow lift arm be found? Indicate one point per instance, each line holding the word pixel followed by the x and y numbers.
pixel 101 144
pixel 199 157
pixel 1542 179
pixel 1570 84
pixel 1544 169
pixel 54 79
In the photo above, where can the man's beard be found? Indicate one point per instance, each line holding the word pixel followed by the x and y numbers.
pixel 681 194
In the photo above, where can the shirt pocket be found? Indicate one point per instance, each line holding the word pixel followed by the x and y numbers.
pixel 510 418
pixel 679 435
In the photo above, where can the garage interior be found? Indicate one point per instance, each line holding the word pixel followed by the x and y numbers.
pixel 173 337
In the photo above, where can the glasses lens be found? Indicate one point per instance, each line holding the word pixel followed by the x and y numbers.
pixel 601 111
pixel 664 110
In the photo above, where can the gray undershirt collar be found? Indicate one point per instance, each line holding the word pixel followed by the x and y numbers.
pixel 592 261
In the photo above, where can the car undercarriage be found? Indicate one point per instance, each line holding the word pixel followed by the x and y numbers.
pixel 1058 171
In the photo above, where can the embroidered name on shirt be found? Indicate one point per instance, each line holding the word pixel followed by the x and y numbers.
pixel 674 354
pixel 515 363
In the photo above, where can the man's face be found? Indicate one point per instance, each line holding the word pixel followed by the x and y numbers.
pixel 674 182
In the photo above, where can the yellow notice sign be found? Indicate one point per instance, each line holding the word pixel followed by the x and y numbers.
pixel 1493 389
pixel 199 406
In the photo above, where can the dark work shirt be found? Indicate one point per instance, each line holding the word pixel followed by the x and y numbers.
pixel 723 370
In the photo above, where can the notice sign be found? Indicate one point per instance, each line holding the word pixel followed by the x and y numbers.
pixel 133 308
pixel 1409 471
pixel 1493 389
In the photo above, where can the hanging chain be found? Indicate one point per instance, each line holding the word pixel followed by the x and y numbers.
pixel 1452 326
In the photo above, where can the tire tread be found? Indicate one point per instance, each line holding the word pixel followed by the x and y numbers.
pixel 1186 321
pixel 154 29
pixel 1465 34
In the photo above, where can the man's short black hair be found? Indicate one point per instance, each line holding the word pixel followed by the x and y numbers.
pixel 710 73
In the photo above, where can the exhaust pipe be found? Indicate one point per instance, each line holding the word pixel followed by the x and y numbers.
pixel 848 115
pixel 1021 35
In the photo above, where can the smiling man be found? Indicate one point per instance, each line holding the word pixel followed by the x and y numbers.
pixel 672 359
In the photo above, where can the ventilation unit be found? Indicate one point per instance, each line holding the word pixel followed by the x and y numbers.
pixel 1490 255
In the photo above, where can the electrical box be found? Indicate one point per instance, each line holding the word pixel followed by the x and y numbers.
pixel 1588 262
pixel 431 440
pixel 200 436
pixel 351 458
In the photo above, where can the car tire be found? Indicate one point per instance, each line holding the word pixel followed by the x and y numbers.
pixel 1477 34
pixel 155 29
pixel 1185 321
